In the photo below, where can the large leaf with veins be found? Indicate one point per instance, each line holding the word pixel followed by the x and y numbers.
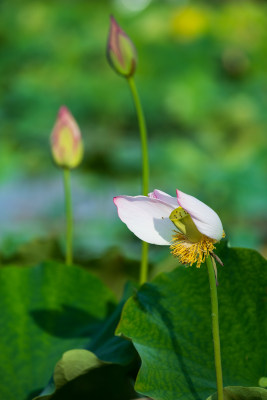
pixel 169 323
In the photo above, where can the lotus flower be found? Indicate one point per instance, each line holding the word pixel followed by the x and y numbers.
pixel 184 223
pixel 66 140
pixel 121 52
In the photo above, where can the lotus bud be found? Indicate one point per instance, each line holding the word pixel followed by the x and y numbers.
pixel 66 140
pixel 121 52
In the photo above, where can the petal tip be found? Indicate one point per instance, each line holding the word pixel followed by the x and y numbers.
pixel 115 201
pixel 63 111
pixel 152 195
pixel 112 19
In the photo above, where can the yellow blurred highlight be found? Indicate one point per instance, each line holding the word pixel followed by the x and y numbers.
pixel 189 23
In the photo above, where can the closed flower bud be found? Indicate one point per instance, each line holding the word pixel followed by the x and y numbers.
pixel 121 52
pixel 66 140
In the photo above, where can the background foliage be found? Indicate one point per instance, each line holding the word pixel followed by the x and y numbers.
pixel 202 79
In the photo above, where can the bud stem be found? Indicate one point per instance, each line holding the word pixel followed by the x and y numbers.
pixel 68 207
pixel 215 327
pixel 145 168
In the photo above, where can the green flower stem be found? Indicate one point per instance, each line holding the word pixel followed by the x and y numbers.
pixel 145 169
pixel 215 327
pixel 143 134
pixel 68 206
pixel 144 263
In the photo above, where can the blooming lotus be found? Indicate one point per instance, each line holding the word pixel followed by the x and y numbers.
pixel 187 225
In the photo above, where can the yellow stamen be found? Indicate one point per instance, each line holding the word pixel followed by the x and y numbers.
pixel 189 252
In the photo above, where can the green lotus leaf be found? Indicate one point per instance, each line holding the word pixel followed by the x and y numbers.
pixel 45 311
pixel 169 322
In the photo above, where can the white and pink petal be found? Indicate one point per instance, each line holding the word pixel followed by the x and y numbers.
pixel 205 219
pixel 147 218
pixel 165 197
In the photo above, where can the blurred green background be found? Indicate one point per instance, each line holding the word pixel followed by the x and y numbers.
pixel 202 80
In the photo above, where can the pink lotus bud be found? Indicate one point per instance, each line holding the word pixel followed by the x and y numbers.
pixel 121 52
pixel 66 140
